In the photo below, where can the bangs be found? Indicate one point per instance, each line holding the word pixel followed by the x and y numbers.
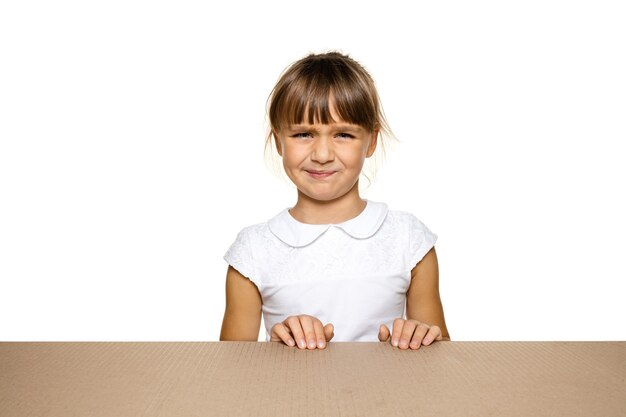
pixel 307 94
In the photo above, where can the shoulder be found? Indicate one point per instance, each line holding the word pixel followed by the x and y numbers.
pixel 408 226
pixel 262 238
pixel 252 234
pixel 404 220
pixel 253 230
pixel 247 249
pixel 413 236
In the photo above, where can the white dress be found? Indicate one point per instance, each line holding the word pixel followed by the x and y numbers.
pixel 354 275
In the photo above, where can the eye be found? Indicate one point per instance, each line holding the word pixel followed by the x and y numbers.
pixel 345 136
pixel 301 135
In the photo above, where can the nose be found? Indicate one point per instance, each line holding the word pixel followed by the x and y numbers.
pixel 323 150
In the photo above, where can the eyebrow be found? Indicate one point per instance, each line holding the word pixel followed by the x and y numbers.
pixel 335 126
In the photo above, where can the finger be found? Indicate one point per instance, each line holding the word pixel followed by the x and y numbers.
pixel 396 331
pixel 281 333
pixel 320 338
pixel 329 331
pixel 383 333
pixel 309 331
pixel 421 331
pixel 293 323
pixel 407 333
pixel 434 333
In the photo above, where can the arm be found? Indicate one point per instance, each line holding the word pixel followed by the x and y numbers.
pixel 423 302
pixel 242 317
pixel 425 322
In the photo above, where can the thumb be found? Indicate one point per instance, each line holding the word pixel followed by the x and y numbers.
pixel 329 331
pixel 383 333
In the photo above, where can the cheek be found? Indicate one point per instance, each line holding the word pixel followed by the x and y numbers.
pixel 293 156
pixel 354 158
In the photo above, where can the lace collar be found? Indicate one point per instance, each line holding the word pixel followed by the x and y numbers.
pixel 297 234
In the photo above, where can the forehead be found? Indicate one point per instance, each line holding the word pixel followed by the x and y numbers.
pixel 334 125
pixel 319 111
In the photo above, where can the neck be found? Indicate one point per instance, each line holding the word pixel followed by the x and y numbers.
pixel 339 210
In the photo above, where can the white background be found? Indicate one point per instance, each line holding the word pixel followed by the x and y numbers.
pixel 131 154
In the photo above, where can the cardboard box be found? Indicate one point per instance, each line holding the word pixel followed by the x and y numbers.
pixel 345 379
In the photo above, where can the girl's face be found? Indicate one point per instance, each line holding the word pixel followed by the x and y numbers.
pixel 325 160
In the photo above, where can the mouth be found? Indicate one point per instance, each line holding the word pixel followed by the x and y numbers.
pixel 319 174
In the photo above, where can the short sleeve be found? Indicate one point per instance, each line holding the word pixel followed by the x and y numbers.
pixel 421 240
pixel 240 255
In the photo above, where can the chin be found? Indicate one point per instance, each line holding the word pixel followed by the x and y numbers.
pixel 323 196
pixel 320 197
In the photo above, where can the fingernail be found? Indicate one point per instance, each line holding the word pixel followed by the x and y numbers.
pixel 302 343
pixel 312 344
pixel 425 341
pixel 394 342
pixel 291 342
pixel 321 344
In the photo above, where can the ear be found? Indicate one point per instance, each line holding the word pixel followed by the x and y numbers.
pixel 277 143
pixel 373 142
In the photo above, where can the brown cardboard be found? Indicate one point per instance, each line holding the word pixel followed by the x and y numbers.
pixel 346 379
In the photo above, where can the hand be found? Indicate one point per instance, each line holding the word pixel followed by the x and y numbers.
pixel 307 330
pixel 413 331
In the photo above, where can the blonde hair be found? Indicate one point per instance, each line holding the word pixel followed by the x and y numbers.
pixel 303 93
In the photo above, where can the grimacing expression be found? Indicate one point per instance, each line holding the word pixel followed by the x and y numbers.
pixel 324 161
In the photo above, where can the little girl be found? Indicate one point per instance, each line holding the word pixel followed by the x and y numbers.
pixel 333 265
